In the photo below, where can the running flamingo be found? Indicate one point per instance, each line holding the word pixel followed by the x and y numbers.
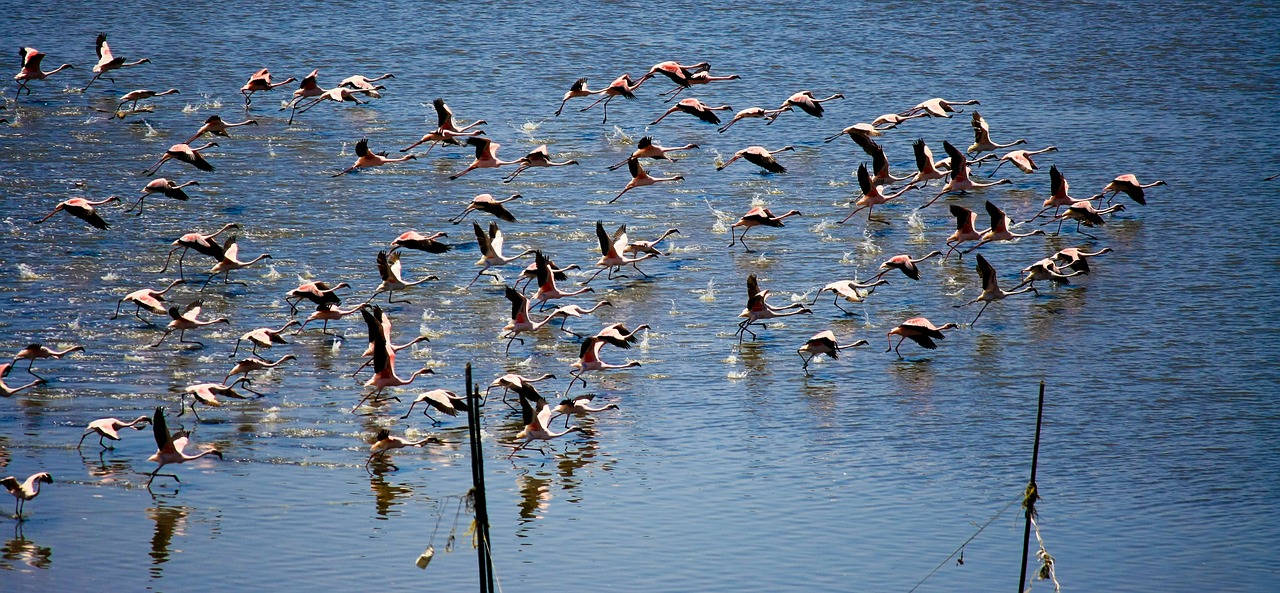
pixel 37 350
pixel 491 250
pixel 185 153
pixel 753 113
pixel 31 58
pixel 203 244
pixel 823 342
pixel 263 337
pixel 384 362
pixel 389 271
pixel 108 62
pixel 486 156
pixel 109 428
pixel 641 178
pixel 443 400
pixel 960 180
pixel 920 331
pixel 849 291
pixel 215 125
pixel 537 423
pixel 759 156
pixel 141 95
pixel 647 149
pixel 579 89
pixel 611 253
pixel 758 309
pixel 151 300
pixel 872 195
pixel 991 291
pixel 906 264
pixel 807 103
pixel 521 319
pixel 547 290
pixel 756 217
pixel 169 447
pixel 999 230
pixel 366 158
pixel 260 81
pixel 187 319
pixel 589 360
pixel 1022 160
pixel 230 261
pixel 621 86
pixel 384 443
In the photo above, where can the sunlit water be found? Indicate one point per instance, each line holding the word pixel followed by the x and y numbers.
pixel 726 467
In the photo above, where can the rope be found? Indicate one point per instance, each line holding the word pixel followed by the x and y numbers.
pixel 966 542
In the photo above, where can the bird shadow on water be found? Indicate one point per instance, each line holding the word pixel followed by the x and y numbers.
pixel 169 521
pixel 22 551
pixel 385 494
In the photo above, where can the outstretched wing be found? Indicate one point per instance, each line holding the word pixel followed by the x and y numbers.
pixel 958 160
pixel 160 429
pixel 362 148
pixel 443 115
pixel 864 179
pixel 963 216
pixel 986 272
pixel 481 238
pixel 603 237
pixel 518 302
pixel 996 214
pixel 753 287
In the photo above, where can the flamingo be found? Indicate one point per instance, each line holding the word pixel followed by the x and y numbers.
pixel 860 129
pixel 364 84
pixel 906 264
pixel 849 291
pixel 759 156
pixel 999 230
pixel 385 321
pixel 617 334
pixel 635 247
pixel 621 86
pixel 758 309
pixel 1046 270
pixel 991 291
pixel 82 209
pixel 230 261
pixel 1128 183
pixel 420 242
pixel 169 447
pixel 327 313
pixel 579 405
pixel 249 365
pixel 308 88
pixel 1059 191
pixel 207 394
pixel 1085 214
pixel 24 491
pixel 579 89
pixel 960 180
pixel 753 218
pixel 486 156
pixel 640 178
pixel 892 120
pixel 367 158
pixel 700 77
pixel 443 400
pixel 384 361
pixel 317 292
pixel 446 123
pixel 260 81
pixel 677 72
pixel 872 195
pixel 611 253
pixel 389 271
pixel 517 383
pixel 538 157
pixel 263 337
pixel 647 149
pixel 109 428
pixel 5 390
pixel 165 187
pixel 753 113
pixel 926 169
pixel 216 126
pixel 537 424
pixel 187 319
pixel 530 273
pixel 384 443
pixel 965 231
pixel 1022 160
pixel 203 244
pixel 338 94
pixel 108 62
pixel 151 300
pixel 567 311
pixel 939 107
pixel 807 103
pixel 547 290
pixel 589 360
pixel 879 163
pixel 823 342
pixel 1076 260
pixel 486 203
pixel 141 95
pixel 491 250
pixel 31 58
pixel 695 108
pixel 37 350
pixel 920 331
pixel 982 138
pixel 185 153
pixel 521 320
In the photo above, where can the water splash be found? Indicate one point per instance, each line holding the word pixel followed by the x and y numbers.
pixel 151 131
pixel 674 310
pixel 271 149
pixel 26 272
pixel 110 277
pixel 189 108
pixel 343 152
pixel 736 375
pixel 272 273
pixel 708 294
pixel 619 136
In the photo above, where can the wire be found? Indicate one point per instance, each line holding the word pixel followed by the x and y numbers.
pixel 966 542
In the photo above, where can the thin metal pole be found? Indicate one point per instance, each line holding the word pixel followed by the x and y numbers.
pixel 477 480
pixel 1032 493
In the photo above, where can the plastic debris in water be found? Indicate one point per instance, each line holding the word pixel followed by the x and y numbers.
pixel 425 558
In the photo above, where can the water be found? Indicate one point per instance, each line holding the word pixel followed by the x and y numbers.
pixel 726 468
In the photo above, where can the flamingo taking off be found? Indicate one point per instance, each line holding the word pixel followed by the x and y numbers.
pixel 879 162
pixel 547 290
pixel 991 291
pixel 260 81
pixel 384 361
pixel 170 447
pixel 517 383
pixel 999 230
pixel 1084 214
pixel 579 89
pixel 108 62
pixel 385 321
pixel 164 187
pixel 109 428
pixel 327 313
pixel 538 157
pixel 443 400
pixel 389 271
pixel 645 148
pixel 580 404
pixel 231 261
pixel 807 103
pixel 758 309
pixel 635 247
pixel 418 241
pixel 367 158
pixel 906 264
pixel 965 231
pixel 203 244
pixel 960 180
pixel 759 156
pixel 491 250
pixel 141 95
pixel 926 169
pixel 188 318
pixel 82 209
pixel 263 337
pixel 677 72
pixel 939 107
pixel 849 290
pixel 308 88
pixel 486 203
pixel 146 298
pixel 567 311
pixel 699 77
pixel 1059 193
pixel 537 423
pixel 695 108
pixel 216 126
pixel 24 491
pixel 1128 183
pixel 920 331
pixel 521 319
pixel 753 218
pixel 621 86
pixel 207 394
pixel 6 390
pixel 384 443
pixel 31 58
pixel 250 365
pixel 1076 259
pixel 872 195
pixel 860 129
pixel 589 360
pixel 338 94
pixel 37 350
pixel 486 156
pixel 890 121
pixel 982 138
pixel 612 249
pixel 1022 160
pixel 754 113
pixel 823 342
pixel 641 178
pixel 317 292
pixel 1046 270
pixel 185 153
pixel 364 84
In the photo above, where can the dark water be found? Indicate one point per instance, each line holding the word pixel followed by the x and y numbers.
pixel 726 468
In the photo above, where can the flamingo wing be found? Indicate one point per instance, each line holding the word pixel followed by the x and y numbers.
pixel 987 273
pixel 481 239
pixel 362 148
pixel 997 216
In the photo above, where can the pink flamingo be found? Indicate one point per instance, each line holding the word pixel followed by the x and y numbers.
pixel 491 250
pixel 486 203
pixel 6 390
pixel 906 264
pixel 203 244
pixel 162 186
pixel 621 86
pixel 389 271
pixel 108 62
pixel 188 318
pixel 109 428
pixel 611 252
pixel 1022 160
pixel 420 242
pixel 141 95
pixel 37 350
pixel 753 218
pixel 759 156
pixel 872 195
pixel 521 319
pixel 538 157
pixel 231 261
pixel 146 298
pixel 823 342
pixel 260 81
pixel 960 180
pixel 367 158
pixel 999 230
pixel 939 107
pixel 384 362
pixel 647 149
pixel 24 491
pixel 1128 183
pixel 547 290
pixel 754 113
pixel 641 178
pixel 965 231
pixel 918 330
pixel 991 291
pixel 982 138
pixel 215 125
pixel 849 290
pixel 169 447
pixel 82 209
pixel 31 58
pixel 700 77
pixel 384 443
pixel 185 153
pixel 263 337
pixel 695 108
pixel 579 89
pixel 758 309
pixel 486 156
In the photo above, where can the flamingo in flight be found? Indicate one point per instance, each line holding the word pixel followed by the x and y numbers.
pixel 635 247
pixel 538 157
pixel 384 362
pixel 37 350
pixel 518 383
pixel 890 121
pixel 367 158
pixel 645 148
pixel 926 168
pixel 327 313
pixel 621 86
pixel 385 321
pixel 1076 259
pixel 6 390
pixel 612 249
pixel 307 89
pixel 418 241
pixel 760 157
pixel 319 293
pixel 384 443
pixel 108 62
pixel 547 290
pixel 486 203
pixel 850 290
pixel 250 365
pixel 1084 214
pixel 486 156
pixel 82 209
pixel 677 72
pixel 164 187
pixel 960 180
pixel 758 309
pixel 447 131
pixel 906 264
pixel 1022 160
pixel 141 95
pixel 1129 184
pixel 617 334
pixel 991 291
pixel 231 261
pixel 982 138
pixel 263 337
pixel 24 491
pixel 260 81
pixel 999 230
pixel 216 126
pixel 491 250
pixel 151 300
pixel 203 244
pixel 807 103
pixel 755 217
pixel 1059 193
pixel 939 107
pixel 879 162
pixel 364 84
pixel 1046 270
pixel 443 400
pixel 109 428
pixel 918 330
pixel 31 58
pixel 535 415
pixel 338 94
pixel 860 129
pixel 521 319
pixel 965 231
pixel 185 153
pixel 589 360
pixel 641 178
pixel 580 404
pixel 754 113
pixel 530 273
pixel 872 195
pixel 567 311
pixel 188 318
pixel 695 108
pixel 170 447
pixel 207 394
pixel 823 342
pixel 699 77
pixel 579 89
pixel 389 271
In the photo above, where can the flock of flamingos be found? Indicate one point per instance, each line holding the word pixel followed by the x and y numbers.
pixel 619 252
